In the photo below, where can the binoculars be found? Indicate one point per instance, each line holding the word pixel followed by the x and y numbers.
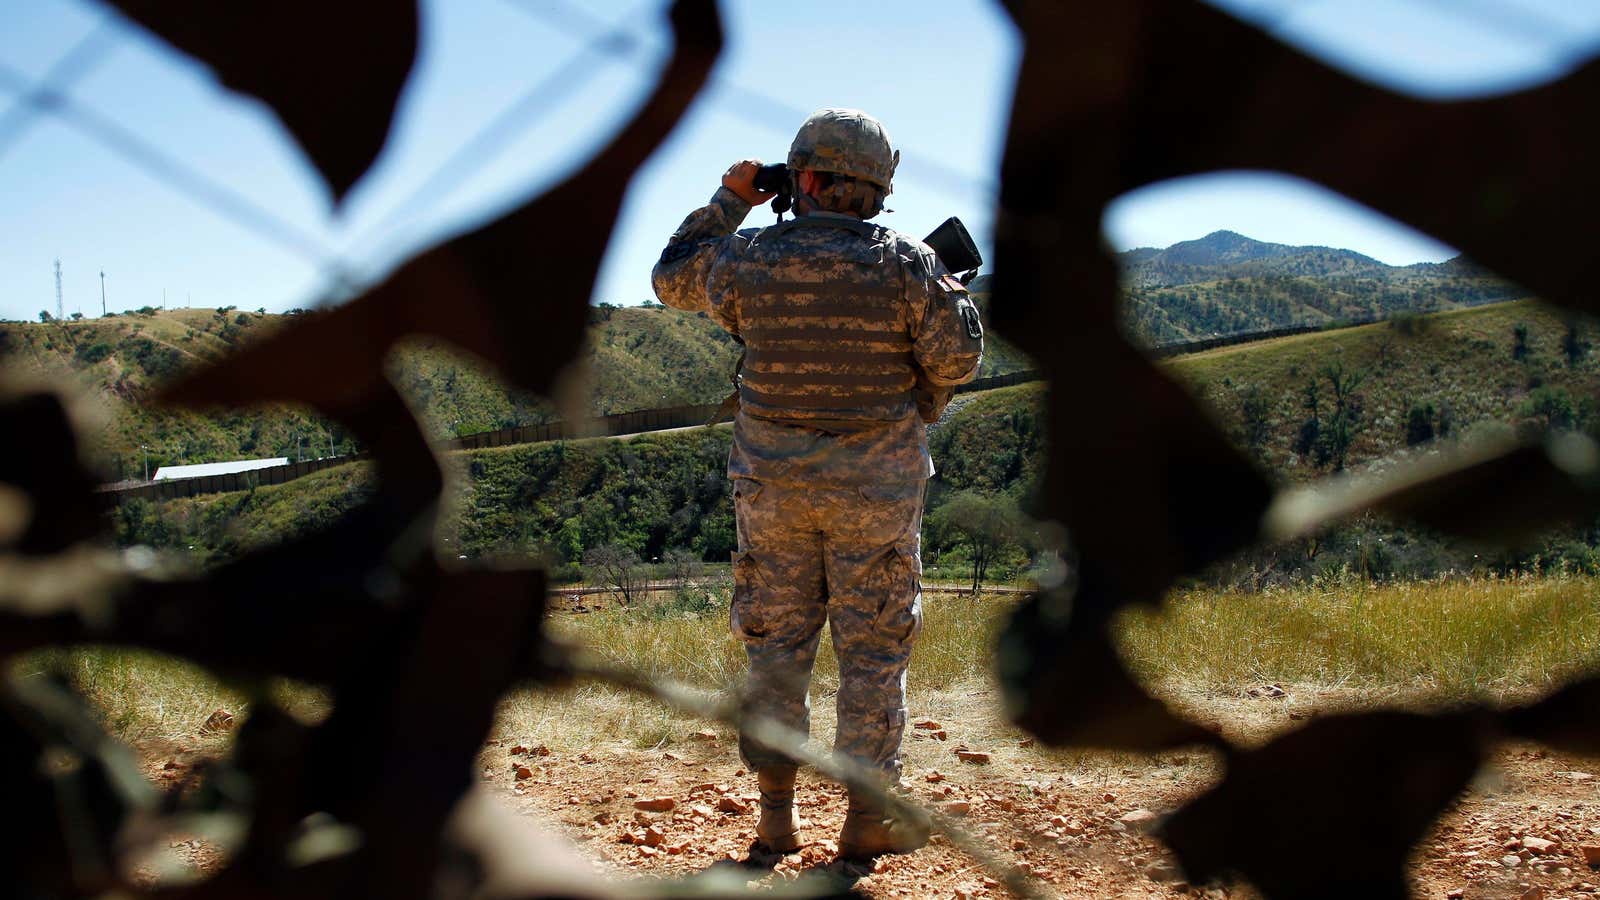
pixel 951 241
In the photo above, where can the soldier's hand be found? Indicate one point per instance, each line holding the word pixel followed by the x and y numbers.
pixel 741 179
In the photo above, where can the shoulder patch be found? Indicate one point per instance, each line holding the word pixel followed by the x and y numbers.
pixel 970 319
pixel 952 284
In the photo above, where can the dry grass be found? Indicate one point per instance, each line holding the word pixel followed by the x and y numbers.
pixel 1436 641
pixel 1432 642
pixel 951 661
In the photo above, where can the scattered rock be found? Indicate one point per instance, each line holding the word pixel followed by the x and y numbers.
pixel 929 725
pixel 732 805
pixel 933 777
pixel 1533 893
pixel 1140 820
pixel 677 848
pixel 1066 826
pixel 940 735
pixel 1579 776
pixel 169 765
pixel 1591 854
pixel 219 720
pixel 655 804
pixel 955 807
pixel 1161 870
pixel 1455 893
pixel 972 756
pixel 704 735
pixel 653 836
pixel 1267 692
pixel 524 773
pixel 1538 845
pixel 1510 861
pixel 518 750
pixel 1025 743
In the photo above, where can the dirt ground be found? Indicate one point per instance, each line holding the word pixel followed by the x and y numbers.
pixel 1075 823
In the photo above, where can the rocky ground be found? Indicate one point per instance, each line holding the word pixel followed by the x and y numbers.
pixel 1528 828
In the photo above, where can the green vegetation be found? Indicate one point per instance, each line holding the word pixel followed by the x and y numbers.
pixel 1379 391
pixel 636 358
pixel 1399 383
pixel 1225 283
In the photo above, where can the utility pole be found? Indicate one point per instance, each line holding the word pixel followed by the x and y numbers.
pixel 102 293
pixel 59 311
pixel 146 461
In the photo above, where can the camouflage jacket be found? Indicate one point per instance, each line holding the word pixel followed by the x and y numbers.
pixel 706 267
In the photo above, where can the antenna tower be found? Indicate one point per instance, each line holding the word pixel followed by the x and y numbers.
pixel 59 311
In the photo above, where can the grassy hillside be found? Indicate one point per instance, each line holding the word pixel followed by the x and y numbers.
pixel 634 358
pixel 1226 283
pixel 115 363
pixel 1452 373
pixel 1408 381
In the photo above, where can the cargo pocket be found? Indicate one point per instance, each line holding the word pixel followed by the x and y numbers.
pixel 744 616
pixel 745 489
pixel 900 618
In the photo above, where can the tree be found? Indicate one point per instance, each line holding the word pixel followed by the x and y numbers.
pixel 618 568
pixel 682 565
pixel 1552 407
pixel 988 524
pixel 1256 413
pixel 1573 344
pixel 44 316
pixel 1345 423
pixel 1310 435
pixel 1519 341
pixel 1419 424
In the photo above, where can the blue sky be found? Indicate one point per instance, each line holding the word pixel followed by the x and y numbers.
pixel 938 73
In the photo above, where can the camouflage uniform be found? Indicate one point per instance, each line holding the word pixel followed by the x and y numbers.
pixel 842 321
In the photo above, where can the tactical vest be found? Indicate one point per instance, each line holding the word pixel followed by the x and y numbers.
pixel 825 327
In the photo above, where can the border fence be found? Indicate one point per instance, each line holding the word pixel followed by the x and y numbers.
pixel 635 422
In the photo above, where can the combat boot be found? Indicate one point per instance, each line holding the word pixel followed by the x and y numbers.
pixel 779 828
pixel 871 830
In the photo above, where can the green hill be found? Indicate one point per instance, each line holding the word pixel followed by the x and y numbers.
pixel 639 357
pixel 1505 366
pixel 1226 283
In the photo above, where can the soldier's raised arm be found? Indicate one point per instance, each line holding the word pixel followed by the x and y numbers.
pixel 947 335
pixel 679 276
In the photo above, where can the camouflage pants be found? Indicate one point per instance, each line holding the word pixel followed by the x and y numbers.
pixel 848 556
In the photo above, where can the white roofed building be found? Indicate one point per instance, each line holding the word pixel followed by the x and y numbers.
pixel 201 470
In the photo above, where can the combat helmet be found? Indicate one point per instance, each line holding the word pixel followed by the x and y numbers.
pixel 845 142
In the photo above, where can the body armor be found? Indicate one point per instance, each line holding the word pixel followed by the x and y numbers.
pixel 827 344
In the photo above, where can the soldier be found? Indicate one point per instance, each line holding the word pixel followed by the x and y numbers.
pixel 854 334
